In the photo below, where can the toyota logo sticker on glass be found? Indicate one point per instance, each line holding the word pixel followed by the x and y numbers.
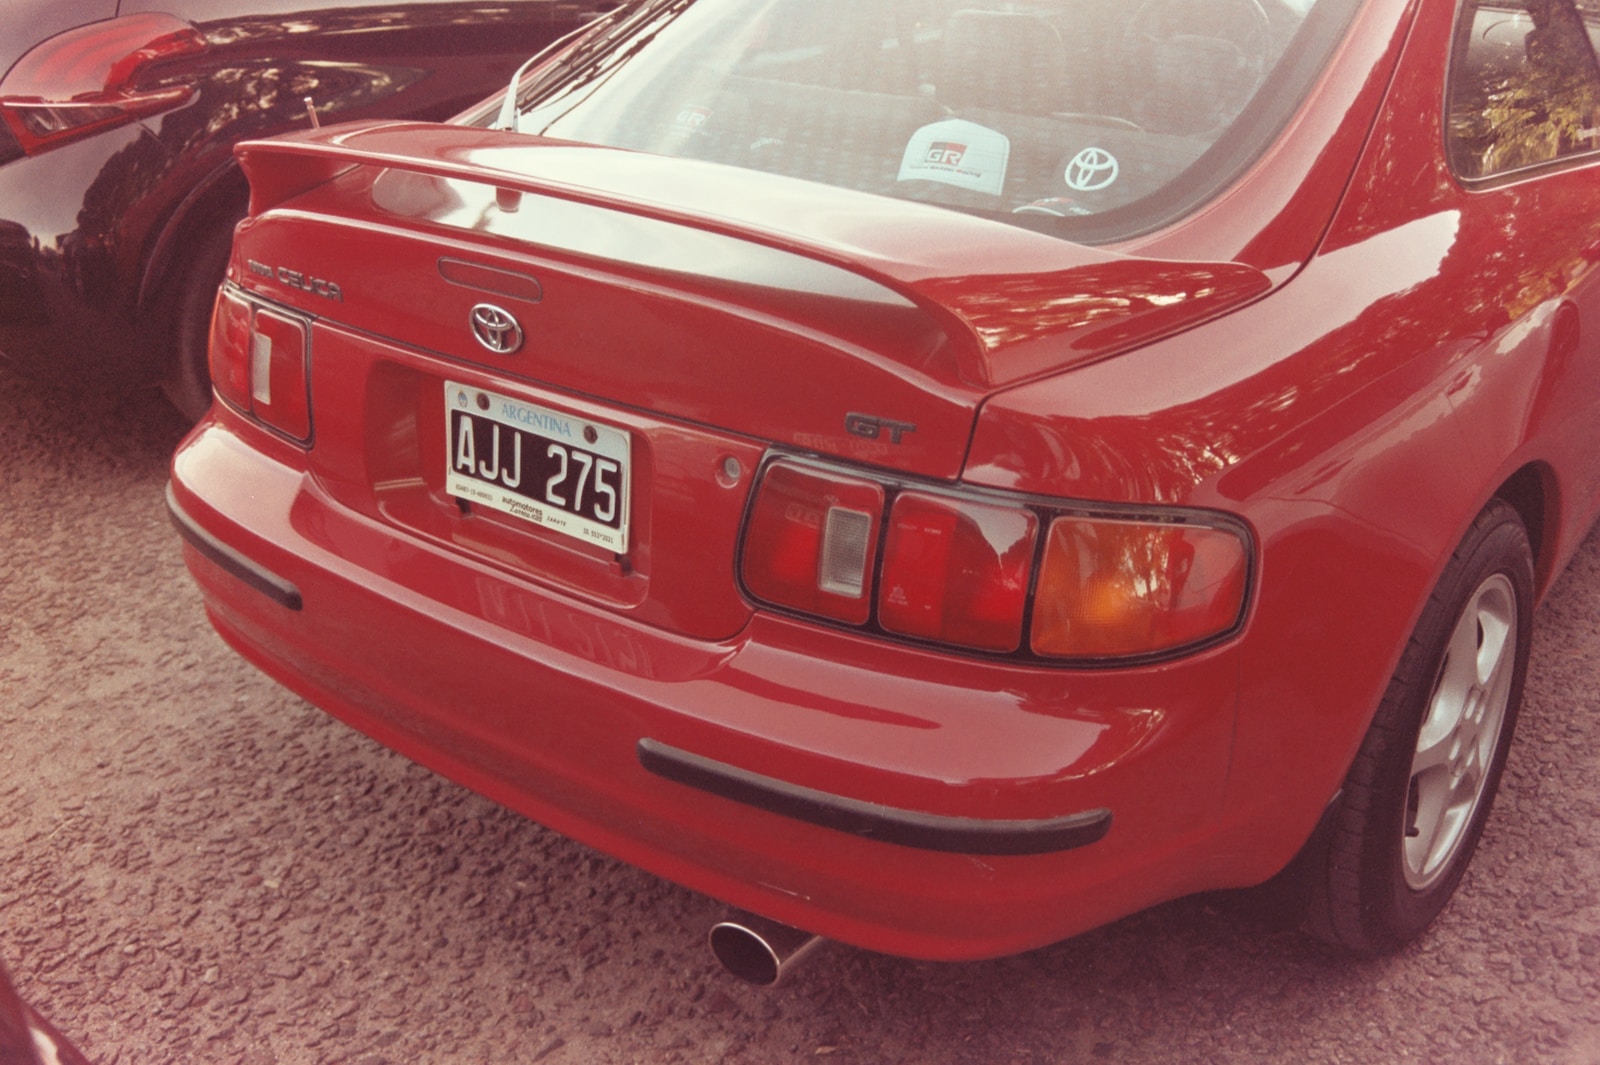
pixel 1091 169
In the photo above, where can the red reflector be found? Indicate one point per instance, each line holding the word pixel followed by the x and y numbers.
pixel 811 540
pixel 88 79
pixel 957 571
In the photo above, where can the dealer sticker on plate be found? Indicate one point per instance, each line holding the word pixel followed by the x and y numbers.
pixel 562 472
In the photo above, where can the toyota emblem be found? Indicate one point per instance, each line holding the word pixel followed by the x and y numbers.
pixel 496 329
pixel 1091 169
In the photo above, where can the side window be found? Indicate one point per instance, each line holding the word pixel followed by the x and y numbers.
pixel 1524 85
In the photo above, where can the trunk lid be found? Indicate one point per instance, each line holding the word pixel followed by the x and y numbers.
pixel 708 312
pixel 756 303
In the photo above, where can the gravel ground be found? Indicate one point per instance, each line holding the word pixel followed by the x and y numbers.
pixel 199 867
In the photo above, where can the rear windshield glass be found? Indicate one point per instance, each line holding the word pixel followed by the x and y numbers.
pixel 1098 119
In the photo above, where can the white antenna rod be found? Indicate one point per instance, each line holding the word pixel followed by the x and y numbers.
pixel 509 118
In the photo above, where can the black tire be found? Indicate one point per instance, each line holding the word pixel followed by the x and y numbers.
pixel 1397 841
pixel 187 383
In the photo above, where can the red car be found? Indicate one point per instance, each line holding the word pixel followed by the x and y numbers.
pixel 941 474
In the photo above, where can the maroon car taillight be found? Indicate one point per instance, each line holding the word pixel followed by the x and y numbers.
pixel 259 359
pixel 95 77
pixel 980 571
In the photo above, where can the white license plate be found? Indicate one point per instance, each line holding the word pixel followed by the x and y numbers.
pixel 553 469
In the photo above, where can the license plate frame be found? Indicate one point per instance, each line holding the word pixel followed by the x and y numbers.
pixel 555 470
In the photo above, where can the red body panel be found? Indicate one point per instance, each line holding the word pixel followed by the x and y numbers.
pixel 550 697
pixel 1358 353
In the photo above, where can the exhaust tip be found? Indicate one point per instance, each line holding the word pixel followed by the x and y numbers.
pixel 759 951
pixel 745 954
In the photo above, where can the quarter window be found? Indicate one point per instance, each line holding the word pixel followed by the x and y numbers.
pixel 1524 85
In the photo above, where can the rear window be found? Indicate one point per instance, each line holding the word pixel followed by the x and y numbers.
pixel 1095 118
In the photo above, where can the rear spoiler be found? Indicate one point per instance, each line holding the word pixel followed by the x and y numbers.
pixel 1027 303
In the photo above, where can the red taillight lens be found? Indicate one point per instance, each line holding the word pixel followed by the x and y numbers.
pixel 89 79
pixel 1114 588
pixel 260 363
pixel 229 352
pixel 957 571
pixel 811 540
pixel 967 569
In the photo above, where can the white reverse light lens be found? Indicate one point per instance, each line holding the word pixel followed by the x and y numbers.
pixel 843 569
pixel 261 368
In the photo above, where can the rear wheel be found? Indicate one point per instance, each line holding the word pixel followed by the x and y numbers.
pixel 1400 835
pixel 187 384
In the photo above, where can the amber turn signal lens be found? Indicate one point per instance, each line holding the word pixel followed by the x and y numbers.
pixel 1113 588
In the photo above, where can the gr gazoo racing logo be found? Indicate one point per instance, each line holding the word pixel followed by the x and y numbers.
pixel 692 119
pixel 957 152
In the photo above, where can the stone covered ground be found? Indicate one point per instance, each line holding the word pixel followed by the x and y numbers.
pixel 196 866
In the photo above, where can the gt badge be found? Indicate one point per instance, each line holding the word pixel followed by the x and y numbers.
pixel 872 428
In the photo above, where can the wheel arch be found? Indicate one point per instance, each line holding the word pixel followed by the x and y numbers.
pixel 178 288
pixel 222 193
pixel 1533 493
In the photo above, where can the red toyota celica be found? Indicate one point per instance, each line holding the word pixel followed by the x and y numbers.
pixel 940 475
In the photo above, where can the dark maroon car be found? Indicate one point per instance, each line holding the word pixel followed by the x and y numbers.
pixel 118 188
pixel 27 1038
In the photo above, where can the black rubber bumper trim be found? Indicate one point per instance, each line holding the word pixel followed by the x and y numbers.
pixel 955 835
pixel 262 580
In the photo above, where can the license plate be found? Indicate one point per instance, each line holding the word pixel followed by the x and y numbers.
pixel 555 470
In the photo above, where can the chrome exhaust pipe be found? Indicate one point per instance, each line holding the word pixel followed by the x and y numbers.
pixel 759 951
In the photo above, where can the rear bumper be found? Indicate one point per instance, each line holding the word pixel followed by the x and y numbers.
pixel 904 801
pixel 886 824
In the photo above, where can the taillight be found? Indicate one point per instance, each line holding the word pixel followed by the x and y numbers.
pixel 228 353
pixel 260 363
pixel 1111 588
pixel 956 571
pixel 985 572
pixel 93 78
pixel 819 533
